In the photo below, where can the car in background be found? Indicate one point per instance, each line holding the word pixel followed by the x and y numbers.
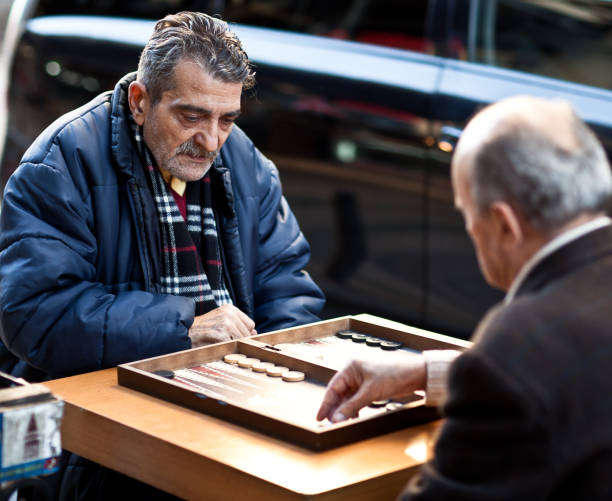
pixel 359 104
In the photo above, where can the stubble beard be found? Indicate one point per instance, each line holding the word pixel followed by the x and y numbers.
pixel 183 167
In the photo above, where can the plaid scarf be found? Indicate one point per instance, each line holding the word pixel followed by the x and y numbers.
pixel 185 243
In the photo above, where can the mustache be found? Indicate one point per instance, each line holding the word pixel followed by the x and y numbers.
pixel 190 148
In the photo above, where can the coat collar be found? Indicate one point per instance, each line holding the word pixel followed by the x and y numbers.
pixel 123 150
pixel 591 247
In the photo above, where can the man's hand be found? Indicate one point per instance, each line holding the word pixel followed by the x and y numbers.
pixel 221 324
pixel 362 382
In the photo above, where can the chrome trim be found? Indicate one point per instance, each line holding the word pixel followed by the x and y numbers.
pixel 19 12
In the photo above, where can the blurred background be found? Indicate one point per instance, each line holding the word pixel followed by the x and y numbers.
pixel 359 103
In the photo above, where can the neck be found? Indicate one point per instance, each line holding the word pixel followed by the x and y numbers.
pixel 574 223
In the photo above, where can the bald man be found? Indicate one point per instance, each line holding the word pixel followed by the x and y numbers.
pixel 529 407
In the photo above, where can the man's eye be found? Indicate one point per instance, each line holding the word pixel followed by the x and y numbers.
pixel 192 118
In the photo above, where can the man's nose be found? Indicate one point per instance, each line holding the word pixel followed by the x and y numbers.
pixel 208 137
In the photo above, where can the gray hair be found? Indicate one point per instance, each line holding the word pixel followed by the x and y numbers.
pixel 548 183
pixel 196 37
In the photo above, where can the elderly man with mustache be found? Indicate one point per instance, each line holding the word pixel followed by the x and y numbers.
pixel 146 221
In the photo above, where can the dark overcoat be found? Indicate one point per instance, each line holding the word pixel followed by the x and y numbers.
pixel 529 413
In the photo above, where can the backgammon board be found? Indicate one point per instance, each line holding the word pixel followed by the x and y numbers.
pixel 274 382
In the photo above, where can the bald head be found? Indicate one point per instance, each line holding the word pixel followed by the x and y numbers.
pixel 538 156
pixel 553 120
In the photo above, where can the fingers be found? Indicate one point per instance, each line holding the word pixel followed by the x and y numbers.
pixel 379 380
pixel 245 325
pixel 359 384
pixel 350 408
pixel 239 324
pixel 332 398
pixel 339 388
pixel 221 324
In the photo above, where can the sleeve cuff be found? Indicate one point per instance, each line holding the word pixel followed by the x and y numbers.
pixel 437 363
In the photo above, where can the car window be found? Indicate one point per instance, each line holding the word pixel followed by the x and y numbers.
pixel 564 39
pixel 393 23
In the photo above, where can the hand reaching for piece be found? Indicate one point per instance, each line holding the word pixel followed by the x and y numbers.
pixel 363 381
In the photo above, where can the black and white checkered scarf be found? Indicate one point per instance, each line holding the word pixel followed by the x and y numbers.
pixel 192 265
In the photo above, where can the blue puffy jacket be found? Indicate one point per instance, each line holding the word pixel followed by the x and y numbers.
pixel 79 248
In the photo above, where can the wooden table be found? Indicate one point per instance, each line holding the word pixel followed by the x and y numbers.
pixel 195 456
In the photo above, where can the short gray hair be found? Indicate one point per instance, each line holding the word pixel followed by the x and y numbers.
pixel 547 183
pixel 196 37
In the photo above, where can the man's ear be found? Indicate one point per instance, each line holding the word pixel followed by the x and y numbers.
pixel 507 224
pixel 138 99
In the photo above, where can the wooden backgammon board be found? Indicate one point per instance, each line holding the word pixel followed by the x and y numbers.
pixel 274 382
